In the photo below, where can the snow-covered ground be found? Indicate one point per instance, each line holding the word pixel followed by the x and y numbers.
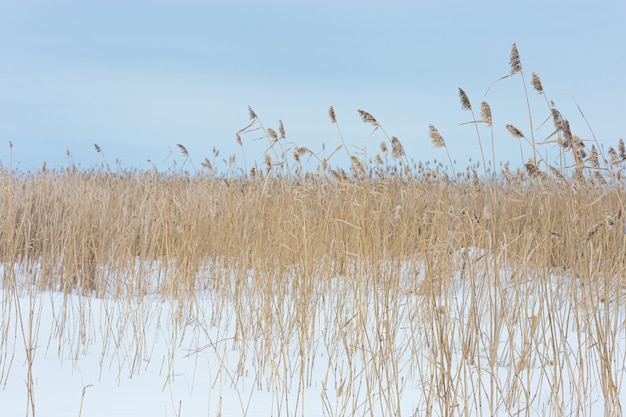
pixel 474 349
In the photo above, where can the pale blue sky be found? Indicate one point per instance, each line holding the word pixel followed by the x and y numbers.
pixel 138 77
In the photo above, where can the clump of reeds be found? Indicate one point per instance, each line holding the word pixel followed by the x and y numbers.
pixel 379 263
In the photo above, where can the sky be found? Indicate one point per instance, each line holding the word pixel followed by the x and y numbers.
pixel 139 77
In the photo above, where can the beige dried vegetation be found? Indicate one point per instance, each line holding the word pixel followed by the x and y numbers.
pixel 366 262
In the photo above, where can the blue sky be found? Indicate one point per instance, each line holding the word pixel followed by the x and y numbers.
pixel 138 77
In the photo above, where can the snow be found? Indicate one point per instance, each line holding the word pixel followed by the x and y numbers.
pixel 152 356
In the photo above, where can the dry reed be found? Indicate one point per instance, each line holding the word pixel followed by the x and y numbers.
pixel 379 267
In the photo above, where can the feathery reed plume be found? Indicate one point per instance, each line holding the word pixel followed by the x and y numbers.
pixel 475 182
pixel 331 114
pixel 485 113
pixel 615 158
pixel 515 132
pixel 281 129
pixel 252 114
pixel 622 149
pixel 436 137
pixel 339 174
pixel 557 174
pixel 357 165
pixel 578 145
pixel 598 176
pixel 335 175
pixel 272 134
pixel 438 142
pixel 578 151
pixel 379 160
pixel 533 170
pixel 238 139
pixel 514 60
pixel 383 147
pixel 207 164
pixel 557 118
pixel 98 149
pixel 368 118
pixel 593 157
pixel 299 152
pixel 536 83
pixel 568 138
pixel 465 102
pixel 397 151
pixel 183 150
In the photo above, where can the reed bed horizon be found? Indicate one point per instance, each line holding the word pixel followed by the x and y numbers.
pixel 365 260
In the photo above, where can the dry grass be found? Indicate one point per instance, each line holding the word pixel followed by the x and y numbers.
pixel 366 263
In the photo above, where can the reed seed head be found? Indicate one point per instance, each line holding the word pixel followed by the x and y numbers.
pixel 485 113
pixel 593 157
pixel 436 137
pixel 465 102
pixel 568 138
pixel 331 114
pixel 599 178
pixel 299 152
pixel 536 83
pixel 183 150
pixel 357 165
pixel 251 113
pixel 368 118
pixel 514 60
pixel 336 175
pixel 559 122
pixel 557 174
pixel 281 129
pixel 515 132
pixel 615 159
pixel 532 169
pixel 397 151
pixel 272 134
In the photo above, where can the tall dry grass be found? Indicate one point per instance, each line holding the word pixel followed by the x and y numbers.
pixel 363 262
